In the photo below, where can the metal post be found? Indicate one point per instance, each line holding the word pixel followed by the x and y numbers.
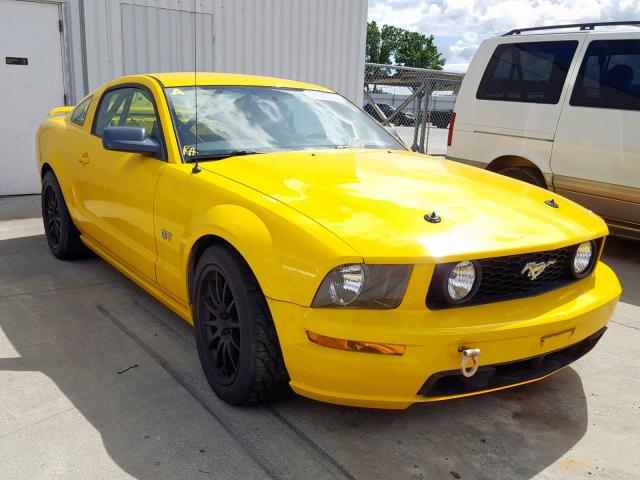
pixel 416 130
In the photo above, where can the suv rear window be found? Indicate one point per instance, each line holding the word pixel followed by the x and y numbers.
pixel 531 72
pixel 609 76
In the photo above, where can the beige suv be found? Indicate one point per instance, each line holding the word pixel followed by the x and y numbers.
pixel 559 107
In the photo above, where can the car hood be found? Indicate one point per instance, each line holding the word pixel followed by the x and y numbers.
pixel 376 200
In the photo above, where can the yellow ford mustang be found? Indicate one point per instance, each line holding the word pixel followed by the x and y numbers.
pixel 309 248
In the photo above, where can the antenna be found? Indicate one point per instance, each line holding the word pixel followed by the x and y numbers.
pixel 196 168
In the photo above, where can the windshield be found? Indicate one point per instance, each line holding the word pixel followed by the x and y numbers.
pixel 268 119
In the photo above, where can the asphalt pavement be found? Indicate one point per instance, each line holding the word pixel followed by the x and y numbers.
pixel 99 380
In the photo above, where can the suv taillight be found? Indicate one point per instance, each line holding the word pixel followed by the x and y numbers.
pixel 451 122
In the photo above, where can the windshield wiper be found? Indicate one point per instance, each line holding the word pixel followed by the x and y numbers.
pixel 222 155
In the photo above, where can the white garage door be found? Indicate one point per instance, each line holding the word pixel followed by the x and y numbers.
pixel 31 83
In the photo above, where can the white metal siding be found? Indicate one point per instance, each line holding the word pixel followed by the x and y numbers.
pixel 163 40
pixel 319 41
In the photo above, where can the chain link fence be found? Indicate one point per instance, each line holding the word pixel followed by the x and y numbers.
pixel 416 102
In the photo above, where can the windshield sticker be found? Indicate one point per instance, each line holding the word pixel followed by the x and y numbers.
pixel 176 91
pixel 316 95
pixel 189 150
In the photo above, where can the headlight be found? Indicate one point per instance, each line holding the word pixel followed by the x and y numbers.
pixel 455 283
pixel 346 284
pixel 583 259
pixel 363 286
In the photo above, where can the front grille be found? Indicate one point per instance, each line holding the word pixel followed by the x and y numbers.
pixel 501 278
pixel 487 377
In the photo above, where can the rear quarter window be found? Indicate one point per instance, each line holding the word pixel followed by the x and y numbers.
pixel 532 72
pixel 609 76
pixel 79 114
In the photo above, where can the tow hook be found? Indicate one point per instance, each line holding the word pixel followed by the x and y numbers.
pixel 469 354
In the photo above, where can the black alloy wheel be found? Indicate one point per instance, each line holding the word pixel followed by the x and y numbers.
pixel 220 317
pixel 237 341
pixel 51 215
pixel 62 235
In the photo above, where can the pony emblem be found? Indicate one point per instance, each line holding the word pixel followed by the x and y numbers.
pixel 535 269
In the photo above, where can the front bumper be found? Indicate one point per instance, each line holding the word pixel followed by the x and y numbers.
pixel 505 332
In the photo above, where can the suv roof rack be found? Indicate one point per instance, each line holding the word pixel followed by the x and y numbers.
pixel 582 26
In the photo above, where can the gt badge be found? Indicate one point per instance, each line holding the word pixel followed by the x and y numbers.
pixel 535 269
pixel 166 235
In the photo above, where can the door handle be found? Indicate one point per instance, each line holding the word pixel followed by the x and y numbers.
pixel 84 158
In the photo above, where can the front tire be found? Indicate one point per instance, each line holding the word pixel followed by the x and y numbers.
pixel 236 339
pixel 62 235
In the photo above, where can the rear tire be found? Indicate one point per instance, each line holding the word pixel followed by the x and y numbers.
pixel 62 235
pixel 235 335
pixel 525 174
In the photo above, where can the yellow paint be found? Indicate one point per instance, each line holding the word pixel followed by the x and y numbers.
pixel 294 216
pixel 60 110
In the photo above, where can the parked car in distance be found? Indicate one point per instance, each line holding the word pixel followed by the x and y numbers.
pixel 440 108
pixel 308 247
pixel 401 119
pixel 558 107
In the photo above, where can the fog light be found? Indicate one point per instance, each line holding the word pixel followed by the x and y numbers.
pixel 462 279
pixel 583 259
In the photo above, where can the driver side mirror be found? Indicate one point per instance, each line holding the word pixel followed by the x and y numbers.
pixel 130 139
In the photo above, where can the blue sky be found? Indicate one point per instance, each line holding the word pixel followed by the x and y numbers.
pixel 460 25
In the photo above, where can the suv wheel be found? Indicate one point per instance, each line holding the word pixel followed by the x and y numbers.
pixel 525 174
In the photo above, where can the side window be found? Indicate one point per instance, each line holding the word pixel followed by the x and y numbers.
pixel 142 113
pixel 127 107
pixel 111 111
pixel 609 76
pixel 79 114
pixel 532 72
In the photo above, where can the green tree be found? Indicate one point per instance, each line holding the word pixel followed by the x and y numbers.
pixel 391 44
pixel 418 50
pixel 389 41
pixel 373 43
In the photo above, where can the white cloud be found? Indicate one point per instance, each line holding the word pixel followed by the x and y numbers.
pixel 471 21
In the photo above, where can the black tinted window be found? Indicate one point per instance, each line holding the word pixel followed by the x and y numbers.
pixel 527 72
pixel 79 113
pixel 609 76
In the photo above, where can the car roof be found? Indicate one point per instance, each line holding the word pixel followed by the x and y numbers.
pixel 583 27
pixel 595 33
pixel 183 79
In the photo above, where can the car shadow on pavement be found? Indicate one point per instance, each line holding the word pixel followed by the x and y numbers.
pixel 98 378
pixel 512 434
